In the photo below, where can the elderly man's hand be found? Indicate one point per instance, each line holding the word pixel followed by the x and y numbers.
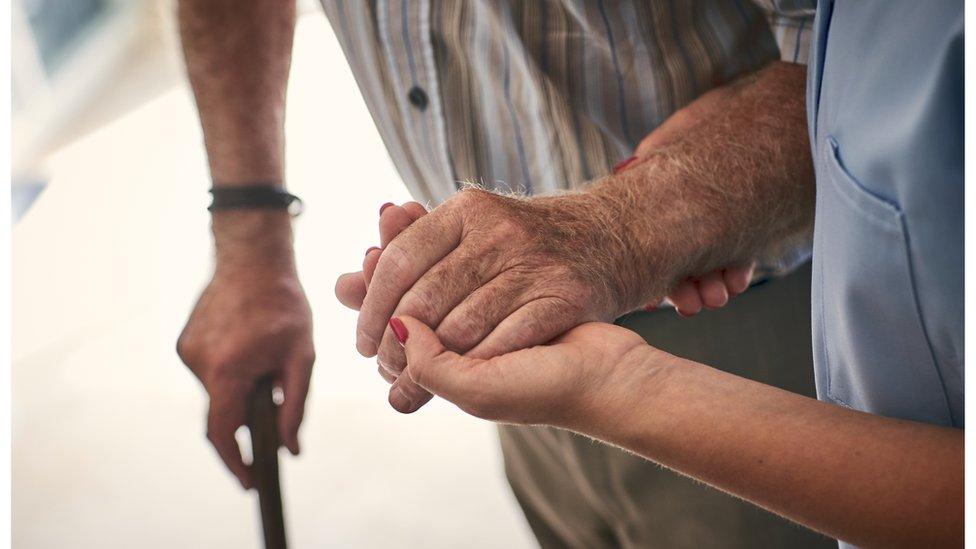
pixel 252 320
pixel 710 291
pixel 494 274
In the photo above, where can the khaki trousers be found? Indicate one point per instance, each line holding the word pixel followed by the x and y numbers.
pixel 576 492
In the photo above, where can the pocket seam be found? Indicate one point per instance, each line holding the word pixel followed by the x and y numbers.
pixel 874 207
pixel 887 216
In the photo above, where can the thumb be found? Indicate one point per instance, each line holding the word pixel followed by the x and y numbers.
pixel 429 363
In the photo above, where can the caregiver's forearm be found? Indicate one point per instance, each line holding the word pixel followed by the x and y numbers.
pixel 866 479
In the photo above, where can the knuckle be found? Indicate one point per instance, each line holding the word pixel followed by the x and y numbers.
pixel 462 332
pixel 424 373
pixel 183 353
pixel 505 228
pixel 469 196
pixel 307 357
pixel 387 376
pixel 551 314
pixel 418 373
pixel 184 350
pixel 366 343
pixel 395 261
pixel 421 302
pixel 390 364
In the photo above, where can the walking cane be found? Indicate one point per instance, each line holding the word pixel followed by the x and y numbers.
pixel 264 466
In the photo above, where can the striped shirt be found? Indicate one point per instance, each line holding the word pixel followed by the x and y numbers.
pixel 538 96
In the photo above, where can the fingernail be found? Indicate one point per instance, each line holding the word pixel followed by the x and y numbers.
pixel 623 164
pixel 399 330
pixel 400 401
pixel 385 206
pixel 371 248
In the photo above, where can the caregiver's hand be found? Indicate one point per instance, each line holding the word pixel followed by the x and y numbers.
pixel 560 384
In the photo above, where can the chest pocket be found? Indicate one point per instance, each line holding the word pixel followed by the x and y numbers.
pixel 871 349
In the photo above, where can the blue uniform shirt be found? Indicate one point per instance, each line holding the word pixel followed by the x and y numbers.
pixel 885 102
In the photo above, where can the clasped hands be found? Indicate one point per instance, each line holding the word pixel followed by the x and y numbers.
pixel 515 295
pixel 504 303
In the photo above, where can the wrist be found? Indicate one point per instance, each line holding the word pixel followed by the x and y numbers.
pixel 638 249
pixel 626 411
pixel 253 239
pixel 668 232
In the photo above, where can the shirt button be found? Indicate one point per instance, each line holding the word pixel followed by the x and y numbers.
pixel 418 97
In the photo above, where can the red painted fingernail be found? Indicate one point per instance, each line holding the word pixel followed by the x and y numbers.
pixel 385 206
pixel 399 330
pixel 371 248
pixel 623 164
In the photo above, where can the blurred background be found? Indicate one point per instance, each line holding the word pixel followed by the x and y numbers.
pixel 111 245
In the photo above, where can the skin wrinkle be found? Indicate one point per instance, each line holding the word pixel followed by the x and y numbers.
pixel 428 291
pixel 544 315
pixel 472 319
pixel 565 227
pixel 423 299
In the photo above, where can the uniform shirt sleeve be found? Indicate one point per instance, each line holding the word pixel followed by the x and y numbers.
pixel 791 22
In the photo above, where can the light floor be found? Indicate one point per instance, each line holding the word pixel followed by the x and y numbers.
pixel 108 437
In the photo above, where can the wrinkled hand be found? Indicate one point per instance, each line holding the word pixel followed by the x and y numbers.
pixel 710 291
pixel 247 324
pixel 493 273
pixel 455 266
pixel 591 366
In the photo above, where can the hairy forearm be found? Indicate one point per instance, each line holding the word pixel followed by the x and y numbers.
pixel 237 59
pixel 735 182
pixel 866 479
